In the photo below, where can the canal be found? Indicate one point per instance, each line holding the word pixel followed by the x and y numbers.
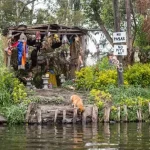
pixel 124 136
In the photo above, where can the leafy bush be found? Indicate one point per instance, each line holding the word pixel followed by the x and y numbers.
pixel 138 74
pixel 15 113
pixel 100 97
pixel 96 77
pixel 85 78
pixel 13 97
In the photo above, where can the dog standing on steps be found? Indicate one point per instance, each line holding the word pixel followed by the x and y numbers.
pixel 77 102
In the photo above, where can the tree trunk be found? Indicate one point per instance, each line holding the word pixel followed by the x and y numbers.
pixel 117 29
pixel 32 10
pixel 17 12
pixel 129 36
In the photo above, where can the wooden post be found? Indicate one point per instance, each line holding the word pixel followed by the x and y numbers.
pixel 75 115
pixel 149 107
pixel 31 105
pixel 56 113
pixel 106 113
pixel 94 114
pixel 118 114
pixel 64 116
pixel 74 60
pixel 126 113
pixel 39 117
pixel 139 114
pixel 8 61
pixel 83 118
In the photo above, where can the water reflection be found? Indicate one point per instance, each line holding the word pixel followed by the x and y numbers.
pixel 67 137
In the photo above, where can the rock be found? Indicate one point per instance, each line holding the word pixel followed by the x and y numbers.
pixel 2 119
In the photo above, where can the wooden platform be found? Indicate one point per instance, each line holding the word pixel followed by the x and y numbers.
pixel 48 114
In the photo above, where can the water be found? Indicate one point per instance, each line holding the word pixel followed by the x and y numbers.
pixel 123 136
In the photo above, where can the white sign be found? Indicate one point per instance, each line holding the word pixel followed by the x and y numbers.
pixel 119 37
pixel 120 50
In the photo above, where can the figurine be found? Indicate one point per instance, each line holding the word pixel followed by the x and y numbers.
pixel 136 55
pixel 62 78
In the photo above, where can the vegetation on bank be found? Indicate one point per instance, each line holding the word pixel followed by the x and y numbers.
pixel 13 95
pixel 101 82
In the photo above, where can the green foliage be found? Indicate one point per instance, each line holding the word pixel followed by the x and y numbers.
pixel 13 97
pixel 98 76
pixel 85 78
pixel 133 97
pixel 141 37
pixel 15 113
pixel 104 65
pixel 138 74
pixel 100 97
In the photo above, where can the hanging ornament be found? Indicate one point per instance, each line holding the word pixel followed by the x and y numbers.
pixel 38 36
pixel 56 38
pixel 23 37
pixel 65 40
pixel 49 34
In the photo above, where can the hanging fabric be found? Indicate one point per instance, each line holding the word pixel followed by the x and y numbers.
pixel 65 40
pixel 22 51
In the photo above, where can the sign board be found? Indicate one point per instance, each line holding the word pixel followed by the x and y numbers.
pixel 120 50
pixel 119 37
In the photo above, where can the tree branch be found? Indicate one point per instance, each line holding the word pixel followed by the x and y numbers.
pixel 24 6
pixel 101 24
pixel 135 25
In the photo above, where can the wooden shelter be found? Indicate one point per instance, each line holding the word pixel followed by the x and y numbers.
pixel 57 44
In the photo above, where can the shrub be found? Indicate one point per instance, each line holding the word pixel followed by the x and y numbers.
pixel 98 76
pixel 85 78
pixel 15 113
pixel 138 74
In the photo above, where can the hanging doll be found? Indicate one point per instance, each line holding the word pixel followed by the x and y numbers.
pixel 47 42
pixel 56 38
pixel 38 40
pixel 22 51
pixel 80 61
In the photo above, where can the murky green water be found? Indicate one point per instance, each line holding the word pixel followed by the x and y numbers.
pixel 68 137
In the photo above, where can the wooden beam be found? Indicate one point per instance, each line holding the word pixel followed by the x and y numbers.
pixel 43 33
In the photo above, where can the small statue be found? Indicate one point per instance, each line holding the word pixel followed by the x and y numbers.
pixel 136 55
pixel 62 78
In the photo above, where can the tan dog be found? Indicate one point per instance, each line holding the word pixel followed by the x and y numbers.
pixel 77 102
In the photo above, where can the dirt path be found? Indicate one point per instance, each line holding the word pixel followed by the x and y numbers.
pixel 58 96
